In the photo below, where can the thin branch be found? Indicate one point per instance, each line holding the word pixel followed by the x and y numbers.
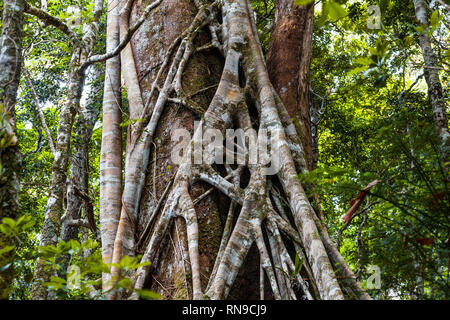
pixel 226 187
pixel 155 210
pixel 51 20
pixel 446 6
pixel 125 40
pixel 41 114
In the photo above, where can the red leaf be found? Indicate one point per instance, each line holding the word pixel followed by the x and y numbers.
pixel 356 202
pixel 405 240
pixel 425 241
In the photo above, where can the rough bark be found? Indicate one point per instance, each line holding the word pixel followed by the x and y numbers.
pixel 78 200
pixel 10 156
pixel 10 62
pixel 147 49
pixel 48 19
pixel 431 67
pixel 288 63
pixel 124 240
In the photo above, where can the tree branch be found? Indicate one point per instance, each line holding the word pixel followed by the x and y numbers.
pixel 41 114
pixel 125 40
pixel 51 20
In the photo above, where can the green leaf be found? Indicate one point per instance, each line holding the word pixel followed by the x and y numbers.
pixel 336 11
pixel 125 283
pixel 357 70
pixel 125 262
pixel 421 29
pixel 323 15
pixel 53 285
pixel 143 264
pixel 62 246
pixel 75 245
pixel 302 2
pixel 6 249
pixel 148 294
pixel 10 222
pixel 298 263
pixel 58 280
pixel 434 19
pixel 365 61
pixel 125 123
pixel 48 252
pixel 6 229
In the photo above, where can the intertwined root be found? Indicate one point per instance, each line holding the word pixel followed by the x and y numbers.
pixel 262 218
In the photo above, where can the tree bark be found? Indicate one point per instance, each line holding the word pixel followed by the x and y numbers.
pixel 288 64
pixel 183 240
pixel 10 156
pixel 50 229
pixel 144 56
pixel 438 104
pixel 111 149
pixel 79 171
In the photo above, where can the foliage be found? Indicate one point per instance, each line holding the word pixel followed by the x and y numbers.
pixel 78 268
pixel 375 123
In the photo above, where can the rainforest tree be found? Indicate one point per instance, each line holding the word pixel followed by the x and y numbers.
pixel 207 149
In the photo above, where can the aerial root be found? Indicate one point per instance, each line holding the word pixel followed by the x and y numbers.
pixel 257 218
pixel 141 135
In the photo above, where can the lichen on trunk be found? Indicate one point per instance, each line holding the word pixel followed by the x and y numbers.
pixel 10 156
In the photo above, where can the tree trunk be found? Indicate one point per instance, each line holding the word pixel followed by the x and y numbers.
pixel 50 230
pixel 78 200
pixel 111 149
pixel 288 63
pixel 204 71
pixel 200 242
pixel 10 62
pixel 435 94
pixel 10 156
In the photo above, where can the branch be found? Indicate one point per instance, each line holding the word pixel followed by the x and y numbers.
pixel 89 214
pixel 78 223
pixel 41 114
pixel 284 226
pixel 125 40
pixel 232 174
pixel 446 6
pixel 51 20
pixel 216 180
pixel 154 212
